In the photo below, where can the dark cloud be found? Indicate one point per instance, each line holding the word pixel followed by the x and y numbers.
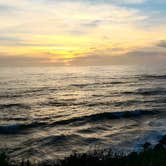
pixel 162 43
pixel 99 60
pixel 96 58
pixel 18 60
pixel 140 56
pixel 7 60
pixel 141 53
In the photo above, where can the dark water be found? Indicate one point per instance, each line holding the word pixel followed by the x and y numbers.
pixel 48 113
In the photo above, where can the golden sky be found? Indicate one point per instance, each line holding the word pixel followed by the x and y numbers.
pixel 82 32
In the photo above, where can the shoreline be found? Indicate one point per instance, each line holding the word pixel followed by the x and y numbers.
pixel 149 156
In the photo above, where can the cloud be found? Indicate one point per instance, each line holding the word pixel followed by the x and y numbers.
pixel 147 55
pixel 6 8
pixel 64 16
pixel 162 43
pixel 7 60
pixel 128 1
pixel 66 19
pixel 104 1
pixel 7 40
pixel 80 31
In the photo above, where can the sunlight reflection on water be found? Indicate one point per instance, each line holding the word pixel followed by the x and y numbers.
pixel 48 111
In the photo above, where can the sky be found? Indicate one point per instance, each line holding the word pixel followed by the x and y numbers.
pixel 82 32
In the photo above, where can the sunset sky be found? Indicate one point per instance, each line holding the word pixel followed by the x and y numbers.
pixel 82 32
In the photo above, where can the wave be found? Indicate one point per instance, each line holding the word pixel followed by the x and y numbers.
pixel 66 140
pixel 94 129
pixel 59 139
pixel 152 77
pixel 106 116
pixel 20 128
pixel 57 103
pixel 74 102
pixel 156 91
pixel 29 92
pixel 98 83
pixel 9 129
pixel 10 96
pixel 95 103
pixel 14 106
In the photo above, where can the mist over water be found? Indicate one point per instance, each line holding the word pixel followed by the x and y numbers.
pixel 47 113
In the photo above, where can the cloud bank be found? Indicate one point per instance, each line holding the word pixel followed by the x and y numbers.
pixel 97 32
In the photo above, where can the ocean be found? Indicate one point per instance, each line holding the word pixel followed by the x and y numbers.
pixel 50 112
